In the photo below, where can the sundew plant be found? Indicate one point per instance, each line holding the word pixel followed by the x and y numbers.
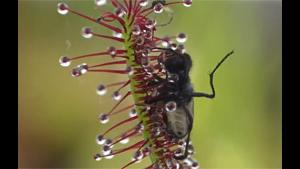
pixel 141 60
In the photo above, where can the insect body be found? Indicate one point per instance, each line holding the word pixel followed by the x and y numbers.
pixel 177 94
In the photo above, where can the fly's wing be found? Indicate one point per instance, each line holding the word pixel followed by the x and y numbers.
pixel 189 108
pixel 180 121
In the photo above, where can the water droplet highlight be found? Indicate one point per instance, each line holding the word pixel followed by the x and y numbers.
pixel 143 2
pixel 136 30
pixel 158 8
pixel 100 2
pixel 120 12
pixel 106 150
pixel 101 90
pixel 116 95
pixel 181 38
pixel 103 118
pixel 100 140
pixel 76 72
pixel 187 3
pixel 64 61
pixel 138 155
pixel 132 113
pixel 149 24
pixel 97 157
pixel 83 68
pixel 86 32
pixel 124 140
pixel 170 106
pixel 112 51
pixel 172 78
pixel 117 35
pixel 62 8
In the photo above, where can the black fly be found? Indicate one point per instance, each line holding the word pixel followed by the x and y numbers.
pixel 178 92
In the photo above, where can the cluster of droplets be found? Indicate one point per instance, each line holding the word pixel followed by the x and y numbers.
pixel 150 64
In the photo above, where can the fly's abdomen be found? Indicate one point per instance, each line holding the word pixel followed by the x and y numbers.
pixel 178 122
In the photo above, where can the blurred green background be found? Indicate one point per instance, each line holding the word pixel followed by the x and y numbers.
pixel 240 128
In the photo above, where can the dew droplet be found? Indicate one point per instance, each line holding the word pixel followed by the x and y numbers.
pixel 83 68
pixel 120 12
pixel 86 32
pixel 173 46
pixel 112 51
pixel 103 118
pixel 181 38
pixel 62 8
pixel 117 35
pixel 191 149
pixel 149 69
pixel 170 106
pixel 124 140
pixel 76 72
pixel 177 165
pixel 148 107
pixel 169 163
pixel 132 113
pixel 148 35
pixel 145 53
pixel 172 78
pixel 106 150
pixel 149 24
pixel 178 152
pixel 181 49
pixel 109 157
pixel 136 30
pixel 100 139
pixel 158 8
pixel 146 151
pixel 138 155
pixel 108 142
pixel 195 165
pixel 64 61
pixel 116 96
pixel 130 70
pixel 156 131
pixel 144 61
pixel 187 3
pixel 97 157
pixel 143 2
pixel 100 2
pixel 101 90
pixel 140 127
pixel 165 43
pixel 188 161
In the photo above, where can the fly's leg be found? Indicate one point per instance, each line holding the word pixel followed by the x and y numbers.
pixel 184 156
pixel 211 80
pixel 187 141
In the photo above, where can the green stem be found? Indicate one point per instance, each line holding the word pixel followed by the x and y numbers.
pixel 131 62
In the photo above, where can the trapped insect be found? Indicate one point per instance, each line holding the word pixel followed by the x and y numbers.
pixel 157 81
pixel 177 94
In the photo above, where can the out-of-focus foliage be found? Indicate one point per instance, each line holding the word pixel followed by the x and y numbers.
pixel 240 128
